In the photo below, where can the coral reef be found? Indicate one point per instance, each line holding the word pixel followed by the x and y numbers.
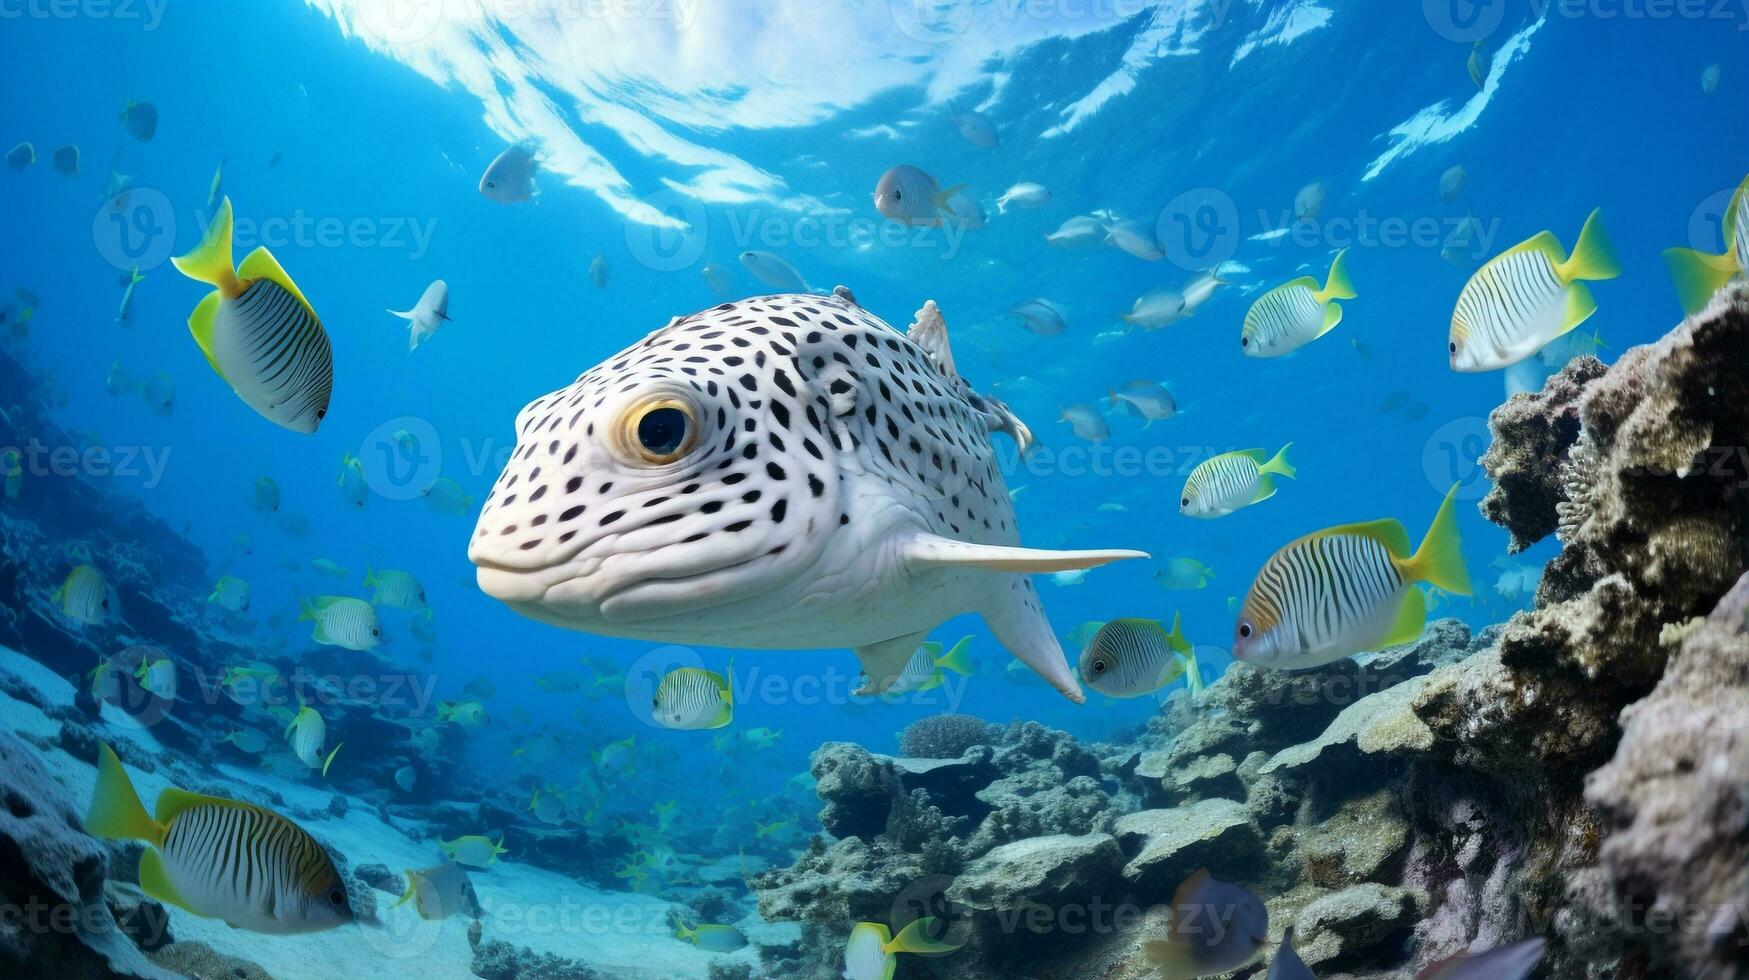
pixel 499 960
pixel 1575 773
pixel 944 736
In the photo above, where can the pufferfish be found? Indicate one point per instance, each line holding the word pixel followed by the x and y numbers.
pixel 782 472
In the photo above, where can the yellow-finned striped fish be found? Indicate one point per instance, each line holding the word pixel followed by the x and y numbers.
pixel 1346 589
pixel 438 892
pixel 84 596
pixel 871 952
pixel 259 332
pixel 1294 314
pixel 306 733
pixel 693 699
pixel 1223 484
pixel 221 859
pixel 1129 658
pixel 342 621
pixel 1700 274
pixel 926 670
pixel 1526 296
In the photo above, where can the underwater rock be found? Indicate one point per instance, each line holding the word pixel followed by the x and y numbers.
pixel 1381 723
pixel 379 877
pixel 944 736
pixel 1674 808
pixel 499 960
pixel 1250 709
pixel 857 787
pixel 141 917
pixel 1532 434
pixel 1639 468
pixel 201 962
pixel 850 880
pixel 1049 871
pixel 1167 846
pixel 1358 843
pixel 50 867
pixel 1336 932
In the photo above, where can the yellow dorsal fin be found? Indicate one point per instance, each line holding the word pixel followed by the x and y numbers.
pixel 173 802
pixel 1388 532
pixel 260 264
pixel 1544 242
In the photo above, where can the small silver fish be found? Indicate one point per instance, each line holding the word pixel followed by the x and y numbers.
pixel 430 313
pixel 509 178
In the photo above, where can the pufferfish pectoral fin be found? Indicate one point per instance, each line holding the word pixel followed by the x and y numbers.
pixel 1018 620
pixel 884 661
pixel 931 549
pixel 1001 418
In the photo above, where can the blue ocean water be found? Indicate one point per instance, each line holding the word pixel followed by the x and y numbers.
pixel 355 158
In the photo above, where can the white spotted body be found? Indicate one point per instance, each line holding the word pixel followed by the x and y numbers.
pixel 784 472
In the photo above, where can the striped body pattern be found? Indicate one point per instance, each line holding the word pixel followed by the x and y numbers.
pixel 1321 599
pixel 84 596
pixel 1283 320
pixel 1221 485
pixel 1738 232
pixel 782 472
pixel 1129 658
pixel 343 621
pixel 219 858
pixel 275 355
pixel 1527 296
pixel 247 865
pixel 1514 305
pixel 690 699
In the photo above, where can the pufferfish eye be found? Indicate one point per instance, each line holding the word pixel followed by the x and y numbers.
pixel 658 432
pixel 1099 666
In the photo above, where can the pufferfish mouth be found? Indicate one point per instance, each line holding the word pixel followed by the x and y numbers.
pixel 566 594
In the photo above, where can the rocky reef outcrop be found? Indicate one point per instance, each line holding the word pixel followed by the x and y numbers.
pixel 1578 772
pixel 65 917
